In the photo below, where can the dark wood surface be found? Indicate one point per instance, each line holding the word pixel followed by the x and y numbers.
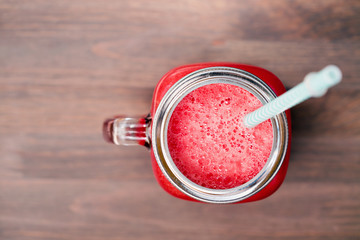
pixel 66 65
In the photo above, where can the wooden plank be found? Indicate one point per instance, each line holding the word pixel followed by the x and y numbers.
pixel 97 209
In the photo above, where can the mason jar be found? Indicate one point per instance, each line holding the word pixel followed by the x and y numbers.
pixel 151 130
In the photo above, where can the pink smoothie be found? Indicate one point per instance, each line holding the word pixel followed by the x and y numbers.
pixel 208 141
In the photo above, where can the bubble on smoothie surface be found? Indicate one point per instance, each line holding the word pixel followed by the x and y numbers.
pixel 208 141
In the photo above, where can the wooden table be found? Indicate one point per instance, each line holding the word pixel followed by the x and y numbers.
pixel 66 65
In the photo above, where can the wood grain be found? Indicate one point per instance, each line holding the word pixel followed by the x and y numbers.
pixel 67 65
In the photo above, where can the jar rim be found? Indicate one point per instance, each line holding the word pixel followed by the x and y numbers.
pixel 176 93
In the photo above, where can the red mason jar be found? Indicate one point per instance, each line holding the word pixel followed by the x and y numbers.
pixel 151 131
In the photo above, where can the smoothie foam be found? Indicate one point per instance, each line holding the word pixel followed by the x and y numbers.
pixel 208 141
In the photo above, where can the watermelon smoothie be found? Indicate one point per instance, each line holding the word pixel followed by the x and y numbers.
pixel 200 150
pixel 207 139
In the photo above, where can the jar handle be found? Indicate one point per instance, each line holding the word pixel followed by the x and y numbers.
pixel 128 131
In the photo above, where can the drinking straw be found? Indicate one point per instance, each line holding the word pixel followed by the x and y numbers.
pixel 315 84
